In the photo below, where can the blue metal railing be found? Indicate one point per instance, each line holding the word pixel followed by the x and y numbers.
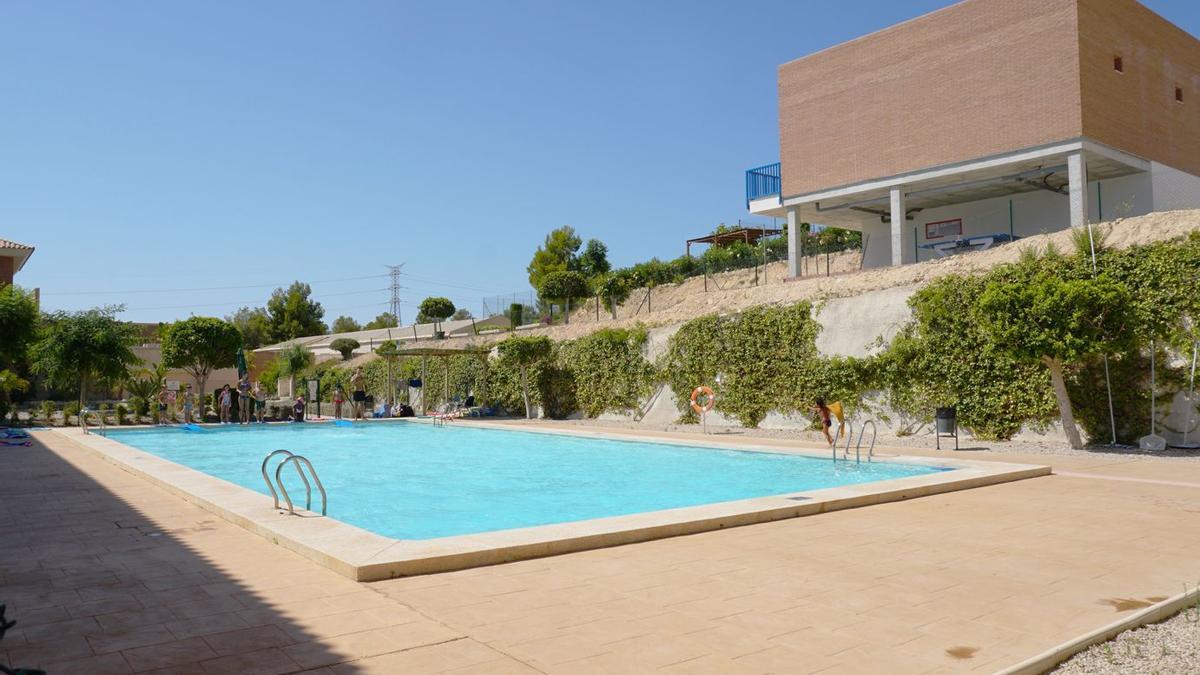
pixel 763 181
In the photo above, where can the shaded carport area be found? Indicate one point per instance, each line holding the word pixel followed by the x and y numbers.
pixel 1063 170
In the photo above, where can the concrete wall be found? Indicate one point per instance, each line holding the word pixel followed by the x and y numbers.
pixel 1136 110
pixel 978 78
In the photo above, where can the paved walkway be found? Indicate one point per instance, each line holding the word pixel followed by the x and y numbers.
pixel 106 573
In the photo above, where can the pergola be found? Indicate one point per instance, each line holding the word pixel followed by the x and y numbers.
pixel 750 235
pixel 442 353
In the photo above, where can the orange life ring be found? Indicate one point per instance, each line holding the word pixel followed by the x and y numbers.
pixel 710 399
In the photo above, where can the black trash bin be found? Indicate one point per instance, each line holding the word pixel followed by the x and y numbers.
pixel 946 421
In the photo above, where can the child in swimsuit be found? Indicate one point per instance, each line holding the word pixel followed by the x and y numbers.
pixel 823 410
pixel 226 402
pixel 189 400
pixel 338 398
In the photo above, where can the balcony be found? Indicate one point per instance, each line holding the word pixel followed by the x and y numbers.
pixel 763 181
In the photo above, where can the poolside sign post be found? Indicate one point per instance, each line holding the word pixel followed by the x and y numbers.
pixel 314 393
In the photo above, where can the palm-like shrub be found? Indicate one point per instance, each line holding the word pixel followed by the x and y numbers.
pixel 345 346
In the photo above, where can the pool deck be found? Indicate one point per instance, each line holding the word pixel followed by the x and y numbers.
pixel 107 573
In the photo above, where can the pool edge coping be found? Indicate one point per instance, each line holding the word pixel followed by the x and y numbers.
pixel 365 556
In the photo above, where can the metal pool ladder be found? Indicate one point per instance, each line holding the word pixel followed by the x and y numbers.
pixel 298 461
pixel 862 430
pixel 83 415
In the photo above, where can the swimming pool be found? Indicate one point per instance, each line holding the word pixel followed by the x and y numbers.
pixel 416 481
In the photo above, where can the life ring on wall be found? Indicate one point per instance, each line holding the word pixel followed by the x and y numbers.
pixel 710 399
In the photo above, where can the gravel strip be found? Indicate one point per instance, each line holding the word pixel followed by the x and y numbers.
pixel 1172 646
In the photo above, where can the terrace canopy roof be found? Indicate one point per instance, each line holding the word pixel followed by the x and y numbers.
pixel 750 235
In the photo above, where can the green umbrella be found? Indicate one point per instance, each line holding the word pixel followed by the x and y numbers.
pixel 241 363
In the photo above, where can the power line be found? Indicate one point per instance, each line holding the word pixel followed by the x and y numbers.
pixel 208 288
pixel 229 303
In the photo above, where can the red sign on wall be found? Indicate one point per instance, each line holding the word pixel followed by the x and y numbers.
pixel 943 228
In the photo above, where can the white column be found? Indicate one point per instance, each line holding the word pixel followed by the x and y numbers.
pixel 898 223
pixel 1078 181
pixel 793 234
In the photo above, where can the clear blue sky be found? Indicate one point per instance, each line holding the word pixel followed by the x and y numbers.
pixel 149 145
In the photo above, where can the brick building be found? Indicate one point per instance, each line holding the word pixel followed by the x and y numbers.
pixel 987 120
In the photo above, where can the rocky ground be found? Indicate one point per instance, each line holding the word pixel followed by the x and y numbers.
pixel 681 302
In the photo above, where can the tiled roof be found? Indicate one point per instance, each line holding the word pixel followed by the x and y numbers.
pixel 18 252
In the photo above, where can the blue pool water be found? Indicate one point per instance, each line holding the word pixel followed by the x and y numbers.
pixel 417 481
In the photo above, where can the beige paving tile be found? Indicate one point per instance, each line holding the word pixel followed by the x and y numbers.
pixel 107 664
pixel 270 661
pixel 453 655
pixel 369 643
pixel 169 654
pixel 248 640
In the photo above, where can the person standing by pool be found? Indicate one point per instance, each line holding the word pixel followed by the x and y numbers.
pixel 162 398
pixel 260 400
pixel 189 400
pixel 244 402
pixel 338 398
pixel 298 409
pixel 823 410
pixel 359 387
pixel 226 402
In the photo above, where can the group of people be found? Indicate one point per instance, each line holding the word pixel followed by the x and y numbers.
pixel 251 403
pixel 358 400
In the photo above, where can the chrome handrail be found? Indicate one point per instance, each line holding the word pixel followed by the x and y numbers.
pixel 83 415
pixel 308 490
pixel 862 430
pixel 271 486
pixel 846 424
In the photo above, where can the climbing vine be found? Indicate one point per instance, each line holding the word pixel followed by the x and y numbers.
pixel 767 360
pixel 608 370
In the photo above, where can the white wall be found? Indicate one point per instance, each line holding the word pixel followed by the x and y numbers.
pixel 1173 189
pixel 1037 212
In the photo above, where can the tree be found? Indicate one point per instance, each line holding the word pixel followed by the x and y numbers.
pixel 389 352
pixel 293 361
pixel 613 289
pixel 18 324
pixel 254 324
pixel 525 351
pixel 564 286
pixel 384 320
pixel 515 313
pixel 557 254
pixel 437 309
pixel 461 314
pixel 345 346
pixel 594 260
pixel 291 314
pixel 200 345
pixel 345 324
pixel 80 348
pixel 1037 316
pixel 10 383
